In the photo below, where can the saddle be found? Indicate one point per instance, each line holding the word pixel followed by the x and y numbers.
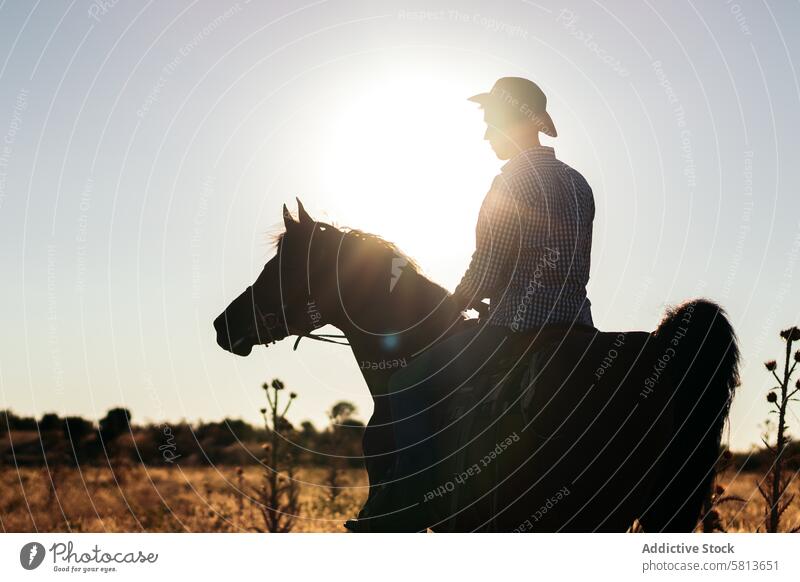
pixel 524 355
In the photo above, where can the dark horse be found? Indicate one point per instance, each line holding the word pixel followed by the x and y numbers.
pixel 602 430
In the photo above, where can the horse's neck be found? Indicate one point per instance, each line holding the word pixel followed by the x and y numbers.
pixel 396 327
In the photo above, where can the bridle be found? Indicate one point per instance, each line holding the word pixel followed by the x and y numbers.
pixel 276 321
pixel 268 324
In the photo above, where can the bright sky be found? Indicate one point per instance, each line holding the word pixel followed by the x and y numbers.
pixel 146 148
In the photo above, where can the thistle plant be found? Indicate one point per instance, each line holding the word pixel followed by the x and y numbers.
pixel 277 496
pixel 711 516
pixel 776 483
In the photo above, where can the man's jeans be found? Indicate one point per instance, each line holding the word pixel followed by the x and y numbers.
pixel 427 386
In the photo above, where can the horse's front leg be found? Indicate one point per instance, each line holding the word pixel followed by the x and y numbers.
pixel 378 444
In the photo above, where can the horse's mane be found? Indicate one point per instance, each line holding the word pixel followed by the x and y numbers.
pixel 368 237
pixel 379 241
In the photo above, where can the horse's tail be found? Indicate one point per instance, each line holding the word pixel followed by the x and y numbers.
pixel 705 373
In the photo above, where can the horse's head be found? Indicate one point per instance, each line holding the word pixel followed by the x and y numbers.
pixel 325 275
pixel 279 302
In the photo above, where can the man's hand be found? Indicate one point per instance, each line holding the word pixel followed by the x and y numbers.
pixel 464 303
pixel 482 309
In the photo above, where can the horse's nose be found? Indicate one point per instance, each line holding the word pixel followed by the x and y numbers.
pixel 221 328
pixel 219 322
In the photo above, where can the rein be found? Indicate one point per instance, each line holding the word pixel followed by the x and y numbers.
pixel 322 337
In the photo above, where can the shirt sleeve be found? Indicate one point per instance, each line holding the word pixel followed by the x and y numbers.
pixel 497 238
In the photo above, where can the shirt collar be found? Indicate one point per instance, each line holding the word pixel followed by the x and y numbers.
pixel 530 156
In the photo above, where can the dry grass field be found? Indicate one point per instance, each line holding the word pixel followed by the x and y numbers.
pixel 196 499
pixel 740 517
pixel 161 499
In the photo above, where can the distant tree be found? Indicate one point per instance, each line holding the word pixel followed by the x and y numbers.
pixel 6 417
pixel 76 428
pixel 50 422
pixel 240 429
pixel 114 423
pixel 10 421
pixel 341 412
pixel 214 435
pixel 24 423
pixel 308 430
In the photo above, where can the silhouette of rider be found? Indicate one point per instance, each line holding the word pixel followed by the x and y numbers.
pixel 532 258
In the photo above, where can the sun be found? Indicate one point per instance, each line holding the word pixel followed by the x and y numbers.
pixel 405 158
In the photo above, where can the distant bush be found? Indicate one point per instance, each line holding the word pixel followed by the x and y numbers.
pixel 76 440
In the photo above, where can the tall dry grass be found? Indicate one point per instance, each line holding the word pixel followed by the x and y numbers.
pixel 175 499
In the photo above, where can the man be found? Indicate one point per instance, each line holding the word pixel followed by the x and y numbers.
pixel 532 257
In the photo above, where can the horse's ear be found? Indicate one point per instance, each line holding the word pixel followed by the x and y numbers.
pixel 305 217
pixel 288 221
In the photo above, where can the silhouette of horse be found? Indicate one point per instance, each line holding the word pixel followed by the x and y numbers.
pixel 605 429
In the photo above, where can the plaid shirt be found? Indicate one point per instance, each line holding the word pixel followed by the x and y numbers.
pixel 534 241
